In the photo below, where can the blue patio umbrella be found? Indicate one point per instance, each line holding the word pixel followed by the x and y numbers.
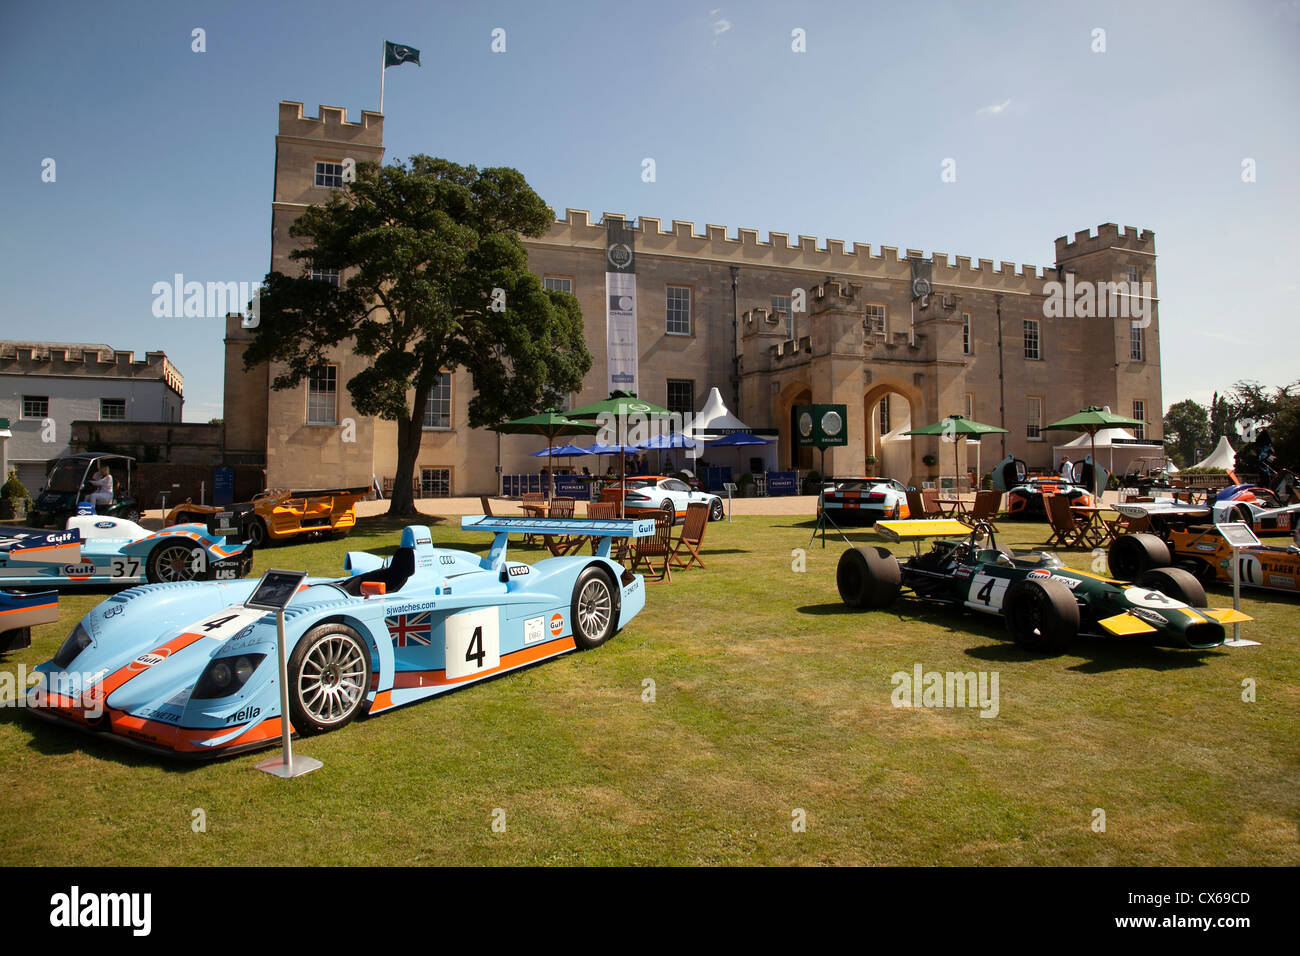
pixel 660 442
pixel 738 440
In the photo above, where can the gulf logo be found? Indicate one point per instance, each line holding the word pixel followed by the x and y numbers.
pixel 557 624
pixel 149 659
pixel 1040 574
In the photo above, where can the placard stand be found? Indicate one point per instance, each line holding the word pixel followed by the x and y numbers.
pixel 1237 534
pixel 729 487
pixel 274 592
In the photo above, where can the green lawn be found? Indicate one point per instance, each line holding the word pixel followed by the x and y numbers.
pixel 768 697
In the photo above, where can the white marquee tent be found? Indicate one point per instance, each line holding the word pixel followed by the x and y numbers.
pixel 714 414
pixel 1116 449
pixel 1222 457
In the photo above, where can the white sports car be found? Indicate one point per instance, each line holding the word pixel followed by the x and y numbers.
pixel 647 493
pixel 865 499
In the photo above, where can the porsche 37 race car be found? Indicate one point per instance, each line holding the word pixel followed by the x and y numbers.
pixel 280 514
pixel 97 549
pixel 20 611
pixel 646 493
pixel 865 500
pixel 191 669
pixel 1045 604
pixel 1202 551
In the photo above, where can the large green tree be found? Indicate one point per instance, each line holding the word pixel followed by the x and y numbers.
pixel 435 278
pixel 1278 408
pixel 1187 432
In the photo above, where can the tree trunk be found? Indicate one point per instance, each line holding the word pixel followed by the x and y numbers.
pixel 409 433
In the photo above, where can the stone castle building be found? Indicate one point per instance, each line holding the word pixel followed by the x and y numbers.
pixel 722 310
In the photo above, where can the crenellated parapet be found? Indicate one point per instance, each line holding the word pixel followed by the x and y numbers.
pixel 1109 236
pixel 331 124
pixel 100 361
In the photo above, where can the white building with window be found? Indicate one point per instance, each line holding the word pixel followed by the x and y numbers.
pixel 46 386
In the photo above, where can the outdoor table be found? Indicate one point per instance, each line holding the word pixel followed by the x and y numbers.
pixel 1096 527
pixel 951 507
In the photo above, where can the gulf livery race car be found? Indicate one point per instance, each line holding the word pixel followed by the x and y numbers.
pixel 1025 501
pixel 191 670
pixel 281 515
pixel 20 611
pixel 1257 507
pixel 865 500
pixel 97 549
pixel 1202 551
pixel 1045 604
pixel 646 493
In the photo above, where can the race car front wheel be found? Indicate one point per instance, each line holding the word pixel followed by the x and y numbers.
pixel 329 674
pixel 174 561
pixel 594 609
pixel 1176 583
pixel 1041 614
pixel 868 577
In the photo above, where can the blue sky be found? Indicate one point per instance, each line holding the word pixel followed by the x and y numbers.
pixel 164 156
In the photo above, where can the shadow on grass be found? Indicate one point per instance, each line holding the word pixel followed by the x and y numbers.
pixel 1104 656
pixel 57 740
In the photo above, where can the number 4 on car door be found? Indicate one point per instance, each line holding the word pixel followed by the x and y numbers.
pixel 473 642
pixel 987 592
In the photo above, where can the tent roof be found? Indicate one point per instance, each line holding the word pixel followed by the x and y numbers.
pixel 1105 438
pixel 1222 457
pixel 714 414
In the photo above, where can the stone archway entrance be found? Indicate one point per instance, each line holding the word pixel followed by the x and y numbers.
pixel 887 406
pixel 798 393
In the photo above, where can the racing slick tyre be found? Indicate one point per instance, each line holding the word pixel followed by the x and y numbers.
pixel 1174 583
pixel 257 534
pixel 175 560
pixel 1203 571
pixel 868 577
pixel 594 608
pixel 329 677
pixel 715 510
pixel 1041 614
pixel 1131 555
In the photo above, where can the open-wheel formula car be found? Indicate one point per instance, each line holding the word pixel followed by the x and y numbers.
pixel 1045 604
pixel 191 669
pixel 1202 551
pixel 96 549
pixel 280 514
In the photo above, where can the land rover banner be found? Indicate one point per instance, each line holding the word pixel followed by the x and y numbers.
pixel 620 296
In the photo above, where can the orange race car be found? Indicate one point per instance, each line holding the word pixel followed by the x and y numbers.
pixel 280 514
pixel 1202 550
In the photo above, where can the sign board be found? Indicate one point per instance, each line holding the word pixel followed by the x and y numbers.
pixel 573 486
pixel 223 485
pixel 782 483
pixel 1238 534
pixel 275 590
pixel 820 426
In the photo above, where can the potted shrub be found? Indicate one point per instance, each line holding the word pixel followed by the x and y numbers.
pixel 987 482
pixel 13 498
pixel 812 483
pixel 930 460
pixel 871 461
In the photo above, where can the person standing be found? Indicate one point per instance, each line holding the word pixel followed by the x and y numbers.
pixel 1067 468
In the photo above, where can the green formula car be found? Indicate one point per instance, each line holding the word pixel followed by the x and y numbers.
pixel 1045 604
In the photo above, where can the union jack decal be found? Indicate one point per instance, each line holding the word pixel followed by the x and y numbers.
pixel 407 629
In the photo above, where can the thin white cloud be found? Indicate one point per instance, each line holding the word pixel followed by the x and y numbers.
pixel 993 110
pixel 720 25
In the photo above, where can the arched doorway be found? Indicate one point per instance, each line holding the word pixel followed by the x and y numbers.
pixel 791 396
pixel 891 407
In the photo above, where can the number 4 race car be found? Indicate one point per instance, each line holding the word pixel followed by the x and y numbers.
pixel 97 549
pixel 191 670
pixel 1045 604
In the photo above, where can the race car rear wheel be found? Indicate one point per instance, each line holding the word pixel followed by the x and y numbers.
pixel 257 534
pixel 868 577
pixel 1131 555
pixel 1041 614
pixel 187 517
pixel 1242 513
pixel 173 561
pixel 1174 583
pixel 594 608
pixel 667 505
pixel 329 675
pixel 715 510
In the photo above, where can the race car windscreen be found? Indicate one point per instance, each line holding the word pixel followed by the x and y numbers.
pixel 65 476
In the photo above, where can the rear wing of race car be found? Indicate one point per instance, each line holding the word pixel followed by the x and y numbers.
pixel 915 529
pixel 605 531
pixel 231 523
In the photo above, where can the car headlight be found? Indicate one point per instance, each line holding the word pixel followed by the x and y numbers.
pixel 77 642
pixel 225 676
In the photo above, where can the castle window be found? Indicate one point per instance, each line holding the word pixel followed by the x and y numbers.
pixel 884 415
pixel 1133 275
pixel 876 319
pixel 679 310
pixel 558 283
pixel 1140 413
pixel 329 175
pixel 112 409
pixel 322 395
pixel 1137 344
pixel 1034 418
pixel 437 410
pixel 681 395
pixel 970 406
pixel 781 305
pixel 435 482
pixel 36 406
pixel 965 334
pixel 326 275
pixel 1032 340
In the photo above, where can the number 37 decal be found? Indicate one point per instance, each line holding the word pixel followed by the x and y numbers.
pixel 126 567
pixel 473 642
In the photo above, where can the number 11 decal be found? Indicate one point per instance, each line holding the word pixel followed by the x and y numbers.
pixel 473 642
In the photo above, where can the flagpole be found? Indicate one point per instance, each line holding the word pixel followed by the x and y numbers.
pixel 383 55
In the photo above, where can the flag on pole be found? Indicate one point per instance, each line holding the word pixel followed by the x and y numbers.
pixel 395 54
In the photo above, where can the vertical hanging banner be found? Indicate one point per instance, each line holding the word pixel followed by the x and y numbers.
pixel 620 294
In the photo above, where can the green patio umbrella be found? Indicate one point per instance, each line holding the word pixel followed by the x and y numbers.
pixel 956 425
pixel 549 425
pixel 1092 420
pixel 620 405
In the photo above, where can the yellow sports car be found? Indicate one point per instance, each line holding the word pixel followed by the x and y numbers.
pixel 280 514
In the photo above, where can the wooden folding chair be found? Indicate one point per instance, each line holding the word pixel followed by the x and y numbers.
pixel 486 504
pixel 692 536
pixel 986 507
pixel 606 511
pixel 533 505
pixel 658 547
pixel 560 544
pixel 1067 531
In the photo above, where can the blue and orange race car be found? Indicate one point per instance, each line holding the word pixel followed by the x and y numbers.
pixel 191 669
